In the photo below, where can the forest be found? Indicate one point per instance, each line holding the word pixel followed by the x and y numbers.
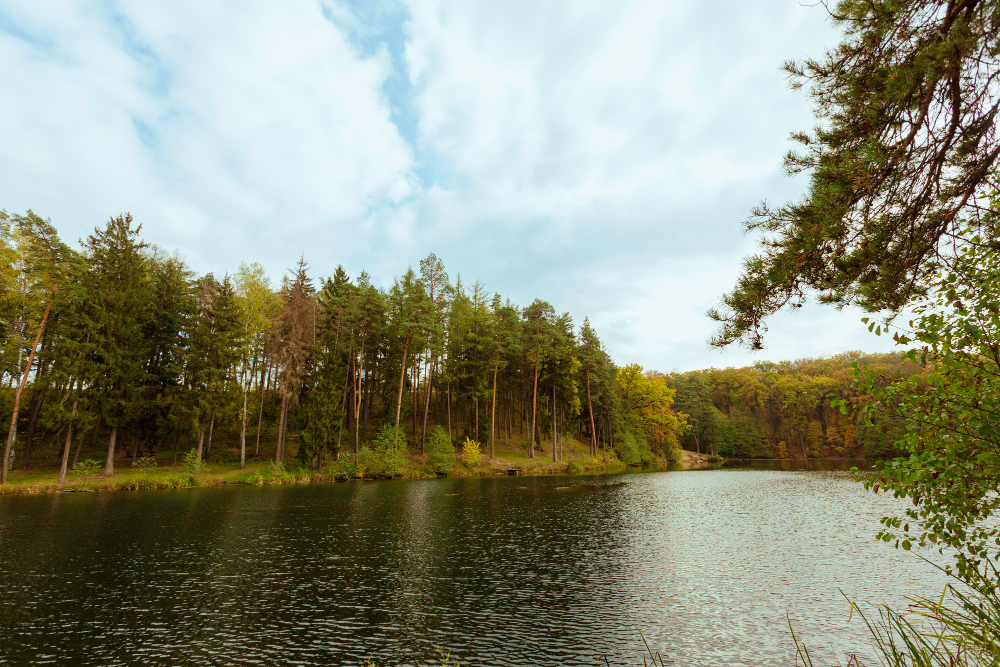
pixel 119 353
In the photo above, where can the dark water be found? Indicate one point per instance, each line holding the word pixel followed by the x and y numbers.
pixel 500 571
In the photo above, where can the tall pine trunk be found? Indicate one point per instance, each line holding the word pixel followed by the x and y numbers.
pixel 402 377
pixel 69 438
pixel 17 397
pixel 279 451
pixel 243 431
pixel 109 463
pixel 534 408
pixel 358 396
pixel 590 410
pixel 449 413
pixel 36 406
pixel 208 448
pixel 493 412
pixel 260 421
pixel 427 402
pixel 555 456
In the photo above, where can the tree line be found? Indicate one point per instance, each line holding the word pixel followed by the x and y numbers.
pixel 790 408
pixel 119 348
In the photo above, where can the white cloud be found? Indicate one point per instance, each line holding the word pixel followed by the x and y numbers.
pixel 598 155
pixel 611 150
pixel 216 125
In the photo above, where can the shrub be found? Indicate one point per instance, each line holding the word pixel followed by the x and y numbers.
pixel 440 451
pixel 87 468
pixel 347 466
pixel 574 468
pixel 273 474
pixel 192 464
pixel 470 452
pixel 632 449
pixel 627 448
pixel 144 463
pixel 389 451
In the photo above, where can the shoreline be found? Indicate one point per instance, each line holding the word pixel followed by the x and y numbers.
pixel 264 473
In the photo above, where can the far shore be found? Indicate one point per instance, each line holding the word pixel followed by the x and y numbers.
pixel 576 460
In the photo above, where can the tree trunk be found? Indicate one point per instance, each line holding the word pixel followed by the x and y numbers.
pixel 697 443
pixel 555 456
pixel 36 406
pixel 69 437
pixel 201 442
pixel 279 450
pixel 449 413
pixel 493 412
pixel 402 377
pixel 79 446
pixel 590 410
pixel 17 397
pixel 534 409
pixel 243 431
pixel 109 463
pixel 208 447
pixel 415 392
pixel 427 403
pixel 260 421
pixel 357 397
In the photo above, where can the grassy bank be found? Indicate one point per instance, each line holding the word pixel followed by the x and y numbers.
pixel 158 471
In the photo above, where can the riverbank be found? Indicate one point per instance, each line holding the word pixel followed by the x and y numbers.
pixel 157 472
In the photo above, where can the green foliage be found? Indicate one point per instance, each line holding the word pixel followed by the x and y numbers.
pixel 632 448
pixel 952 409
pixel 193 465
pixel 904 144
pixel 959 628
pixel 440 452
pixel 347 466
pixel 470 452
pixel 787 409
pixel 87 468
pixel 145 463
pixel 274 473
pixel 387 456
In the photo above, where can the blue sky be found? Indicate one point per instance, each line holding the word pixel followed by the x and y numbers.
pixel 601 156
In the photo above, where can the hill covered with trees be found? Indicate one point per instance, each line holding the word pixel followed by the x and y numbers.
pixel 120 350
pixel 121 353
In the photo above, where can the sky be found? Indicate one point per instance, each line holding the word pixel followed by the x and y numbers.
pixel 601 156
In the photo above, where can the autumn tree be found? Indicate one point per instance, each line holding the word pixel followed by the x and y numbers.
pixel 257 307
pixel 296 336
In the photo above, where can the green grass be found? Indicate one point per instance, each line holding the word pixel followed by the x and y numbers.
pixel 223 468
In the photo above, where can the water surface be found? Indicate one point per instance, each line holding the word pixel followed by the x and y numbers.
pixel 499 571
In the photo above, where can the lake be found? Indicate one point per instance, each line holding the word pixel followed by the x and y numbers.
pixel 498 571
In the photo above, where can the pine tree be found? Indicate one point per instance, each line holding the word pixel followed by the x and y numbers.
pixel 116 315
pixel 296 336
pixel 902 158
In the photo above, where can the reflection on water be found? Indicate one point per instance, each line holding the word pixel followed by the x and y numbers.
pixel 500 571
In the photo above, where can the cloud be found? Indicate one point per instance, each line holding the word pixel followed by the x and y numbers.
pixel 597 155
pixel 218 126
